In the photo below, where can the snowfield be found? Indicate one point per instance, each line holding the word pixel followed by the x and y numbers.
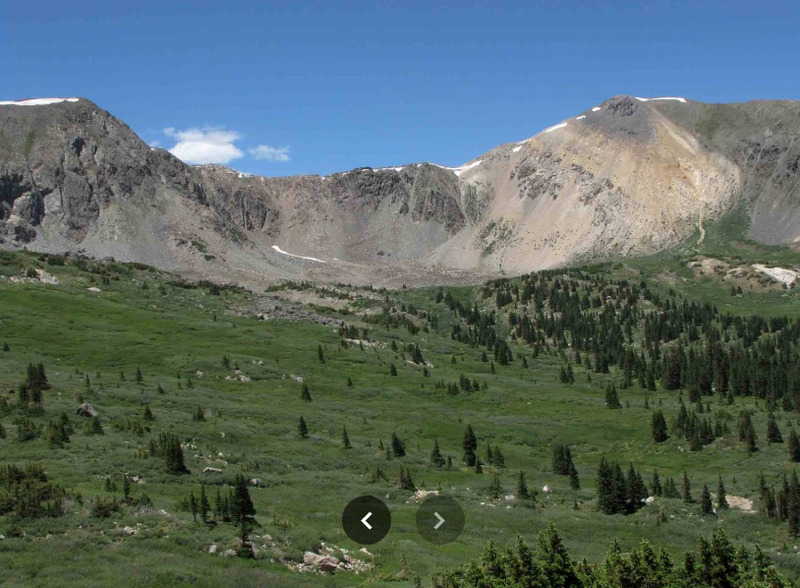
pixel 555 127
pixel 677 98
pixel 282 252
pixel 36 101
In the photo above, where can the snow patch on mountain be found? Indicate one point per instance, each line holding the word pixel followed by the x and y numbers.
pixel 36 101
pixel 677 98
pixel 555 127
pixel 282 252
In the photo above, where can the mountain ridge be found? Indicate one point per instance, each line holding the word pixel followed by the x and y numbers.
pixel 630 176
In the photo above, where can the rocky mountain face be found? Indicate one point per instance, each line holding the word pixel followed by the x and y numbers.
pixel 630 176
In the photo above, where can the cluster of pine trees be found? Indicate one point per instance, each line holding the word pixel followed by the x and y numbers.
pixel 616 492
pixel 716 563
pixel 168 447
pixel 28 493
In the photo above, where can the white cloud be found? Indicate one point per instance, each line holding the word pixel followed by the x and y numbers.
pixel 270 153
pixel 205 145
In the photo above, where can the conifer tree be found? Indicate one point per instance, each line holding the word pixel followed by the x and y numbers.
pixel 794 447
pixel 199 415
pixel 489 454
pixel 705 501
pixel 203 505
pixel 437 460
pixel 470 444
pixel 320 355
pixel 495 489
pixel 345 439
pixel 750 439
pixel 499 458
pixel 126 488
pixel 574 481
pixel 398 446
pixel 659 427
pixel 148 414
pixel 522 487
pixel 722 499
pixel 241 504
pixel 612 399
pixel 392 370
pixel 404 480
pixel 302 429
pixel 2 431
pixel 686 489
pixel 193 506
pixel 478 466
pixel 655 485
pixel 349 383
pixel 6 348
pixel 773 432
pixel 305 393
pixel 139 376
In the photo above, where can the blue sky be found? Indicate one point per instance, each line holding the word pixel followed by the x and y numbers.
pixel 280 88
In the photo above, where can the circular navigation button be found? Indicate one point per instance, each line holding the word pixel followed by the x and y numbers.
pixel 366 520
pixel 440 520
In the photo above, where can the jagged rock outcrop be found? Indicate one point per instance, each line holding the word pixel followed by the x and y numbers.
pixel 627 177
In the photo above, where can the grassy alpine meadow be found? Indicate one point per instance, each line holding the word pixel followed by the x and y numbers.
pixel 156 356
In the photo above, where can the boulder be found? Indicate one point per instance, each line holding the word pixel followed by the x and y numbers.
pixel 212 471
pixel 325 563
pixel 86 410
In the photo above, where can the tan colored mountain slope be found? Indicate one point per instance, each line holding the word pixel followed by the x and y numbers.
pixel 627 177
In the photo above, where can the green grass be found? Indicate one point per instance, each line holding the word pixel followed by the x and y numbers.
pixel 169 332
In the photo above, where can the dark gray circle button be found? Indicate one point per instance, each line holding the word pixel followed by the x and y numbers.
pixel 366 520
pixel 440 520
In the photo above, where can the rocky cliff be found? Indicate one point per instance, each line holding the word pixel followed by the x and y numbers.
pixel 627 177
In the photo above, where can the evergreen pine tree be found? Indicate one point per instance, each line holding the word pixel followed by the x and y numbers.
pixel 241 504
pixel 193 506
pixel 398 446
pixel 655 485
pixel 686 489
pixel 320 355
pixel 478 465
pixel 522 487
pixel 302 428
pixel 750 439
pixel 705 501
pixel 199 415
pixel 139 376
pixel 345 439
pixel 574 482
pixel 612 399
pixel 773 432
pixel 392 370
pixel 470 444
pixel 349 383
pixel 794 446
pixel 659 427
pixel 6 348
pixel 126 488
pixel 437 460
pixel 495 489
pixel 722 500
pixel 204 506
pixel 148 414
pixel 499 458
pixel 305 393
